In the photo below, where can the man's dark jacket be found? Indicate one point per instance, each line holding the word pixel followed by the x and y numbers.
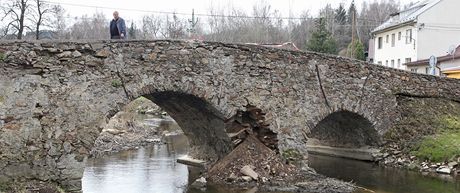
pixel 120 25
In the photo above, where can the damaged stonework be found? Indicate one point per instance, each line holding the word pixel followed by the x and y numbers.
pixel 55 97
pixel 251 122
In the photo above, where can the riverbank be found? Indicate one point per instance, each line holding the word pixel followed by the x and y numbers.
pixel 424 140
pixel 136 131
pixel 139 124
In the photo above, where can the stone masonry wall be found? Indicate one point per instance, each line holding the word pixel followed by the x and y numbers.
pixel 55 97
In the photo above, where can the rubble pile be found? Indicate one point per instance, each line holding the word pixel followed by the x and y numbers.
pixel 252 161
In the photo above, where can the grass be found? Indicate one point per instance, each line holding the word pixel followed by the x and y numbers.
pixel 2 56
pixel 439 148
pixel 116 83
pixel 443 146
pixel 291 154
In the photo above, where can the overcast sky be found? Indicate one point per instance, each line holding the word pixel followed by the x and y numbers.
pixel 134 9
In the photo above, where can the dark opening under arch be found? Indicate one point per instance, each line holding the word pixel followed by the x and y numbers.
pixel 202 123
pixel 345 129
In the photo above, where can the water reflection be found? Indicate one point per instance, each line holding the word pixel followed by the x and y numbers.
pixel 151 169
pixel 382 180
pixel 154 170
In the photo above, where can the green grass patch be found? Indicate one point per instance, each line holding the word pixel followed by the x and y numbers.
pixel 449 123
pixel 291 154
pixel 2 56
pixel 439 148
pixel 444 146
pixel 116 83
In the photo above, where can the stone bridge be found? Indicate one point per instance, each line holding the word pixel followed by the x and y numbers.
pixel 55 98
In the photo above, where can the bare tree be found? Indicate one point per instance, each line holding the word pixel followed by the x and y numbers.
pixel 372 15
pixel 264 25
pixel 41 16
pixel 151 26
pixel 174 27
pixel 59 22
pixel 14 13
pixel 301 31
pixel 95 27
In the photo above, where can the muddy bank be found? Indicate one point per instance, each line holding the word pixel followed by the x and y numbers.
pixel 128 131
pixel 140 123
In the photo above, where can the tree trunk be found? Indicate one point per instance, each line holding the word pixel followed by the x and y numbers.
pixel 23 7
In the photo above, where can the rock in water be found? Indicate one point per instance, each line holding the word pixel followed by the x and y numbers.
pixel 444 170
pixel 114 131
pixel 452 164
pixel 248 171
pixel 199 183
pixel 247 178
pixel 232 178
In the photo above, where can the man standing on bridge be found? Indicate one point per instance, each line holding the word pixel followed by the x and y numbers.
pixel 117 27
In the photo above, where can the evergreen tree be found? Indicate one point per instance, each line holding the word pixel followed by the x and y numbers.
pixel 351 11
pixel 321 39
pixel 341 15
pixel 356 50
pixel 132 31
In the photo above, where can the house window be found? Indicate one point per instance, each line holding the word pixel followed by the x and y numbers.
pixel 380 42
pixel 399 63
pixel 387 39
pixel 427 70
pixel 386 63
pixel 408 60
pixel 414 70
pixel 408 36
pixel 399 36
pixel 393 40
pixel 392 63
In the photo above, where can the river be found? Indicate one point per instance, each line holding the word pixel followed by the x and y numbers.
pixel 154 169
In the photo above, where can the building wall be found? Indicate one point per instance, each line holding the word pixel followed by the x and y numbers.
pixel 422 69
pixel 401 49
pixel 439 29
pixel 450 64
pixel 446 65
pixel 454 74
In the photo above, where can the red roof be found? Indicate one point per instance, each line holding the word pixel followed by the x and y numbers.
pixel 286 45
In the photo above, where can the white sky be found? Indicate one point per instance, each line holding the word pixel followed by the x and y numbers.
pixel 200 6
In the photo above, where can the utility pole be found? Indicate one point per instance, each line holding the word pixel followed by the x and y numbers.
pixel 353 25
pixel 290 21
pixel 353 28
pixel 193 22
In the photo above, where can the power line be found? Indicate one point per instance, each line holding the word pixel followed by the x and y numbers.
pixel 188 14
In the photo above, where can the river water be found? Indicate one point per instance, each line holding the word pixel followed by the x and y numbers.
pixel 383 180
pixel 154 170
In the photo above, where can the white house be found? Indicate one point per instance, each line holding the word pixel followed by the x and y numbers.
pixel 428 28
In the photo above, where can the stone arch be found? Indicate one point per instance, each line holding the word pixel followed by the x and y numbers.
pixel 200 121
pixel 345 129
